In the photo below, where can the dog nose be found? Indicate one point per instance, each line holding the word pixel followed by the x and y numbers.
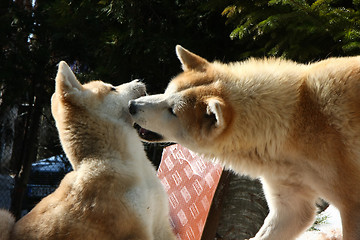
pixel 132 107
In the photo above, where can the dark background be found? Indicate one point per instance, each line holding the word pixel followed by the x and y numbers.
pixel 117 41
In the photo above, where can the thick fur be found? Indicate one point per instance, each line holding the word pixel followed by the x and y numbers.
pixel 7 221
pixel 295 126
pixel 113 192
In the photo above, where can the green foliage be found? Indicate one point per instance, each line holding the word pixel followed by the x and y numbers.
pixel 121 40
pixel 320 219
pixel 302 30
pixel 115 41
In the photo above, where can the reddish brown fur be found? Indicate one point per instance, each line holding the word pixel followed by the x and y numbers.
pixel 93 212
pixel 113 192
pixel 295 126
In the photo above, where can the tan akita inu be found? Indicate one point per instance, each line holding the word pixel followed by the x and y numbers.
pixel 295 126
pixel 113 192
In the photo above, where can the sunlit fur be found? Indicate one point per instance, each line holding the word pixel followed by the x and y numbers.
pixel 6 223
pixel 113 192
pixel 296 126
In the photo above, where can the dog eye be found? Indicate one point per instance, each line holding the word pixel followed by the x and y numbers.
pixel 113 89
pixel 171 111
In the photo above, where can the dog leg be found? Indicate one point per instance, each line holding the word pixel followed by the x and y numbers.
pixel 292 210
pixel 163 229
pixel 350 218
pixel 166 234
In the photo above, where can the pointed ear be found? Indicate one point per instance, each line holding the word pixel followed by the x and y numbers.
pixel 215 108
pixel 191 61
pixel 66 81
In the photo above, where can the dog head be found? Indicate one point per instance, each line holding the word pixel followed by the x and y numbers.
pixel 96 97
pixel 91 117
pixel 193 111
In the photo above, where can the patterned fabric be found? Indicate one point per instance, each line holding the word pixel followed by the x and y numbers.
pixel 190 182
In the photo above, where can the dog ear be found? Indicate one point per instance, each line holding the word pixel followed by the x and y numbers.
pixel 66 82
pixel 191 61
pixel 214 109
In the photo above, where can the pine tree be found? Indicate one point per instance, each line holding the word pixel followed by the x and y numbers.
pixel 302 30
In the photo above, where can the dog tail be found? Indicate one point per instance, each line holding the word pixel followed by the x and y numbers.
pixel 7 222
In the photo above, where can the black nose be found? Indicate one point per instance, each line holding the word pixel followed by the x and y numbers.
pixel 132 107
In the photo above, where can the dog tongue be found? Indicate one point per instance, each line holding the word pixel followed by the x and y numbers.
pixel 143 131
pixel 147 134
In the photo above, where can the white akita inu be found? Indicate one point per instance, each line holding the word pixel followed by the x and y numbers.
pixel 113 192
pixel 295 126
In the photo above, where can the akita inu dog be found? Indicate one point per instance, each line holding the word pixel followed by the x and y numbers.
pixel 295 126
pixel 113 192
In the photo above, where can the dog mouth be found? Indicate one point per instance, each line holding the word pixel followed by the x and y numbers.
pixel 147 134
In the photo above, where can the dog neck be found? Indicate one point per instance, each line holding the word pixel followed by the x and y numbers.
pixel 86 137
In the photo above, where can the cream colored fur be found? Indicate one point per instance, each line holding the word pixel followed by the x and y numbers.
pixel 113 192
pixel 295 126
pixel 6 223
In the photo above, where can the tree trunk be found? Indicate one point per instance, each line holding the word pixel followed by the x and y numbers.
pixel 244 211
pixel 7 129
pixel 25 154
